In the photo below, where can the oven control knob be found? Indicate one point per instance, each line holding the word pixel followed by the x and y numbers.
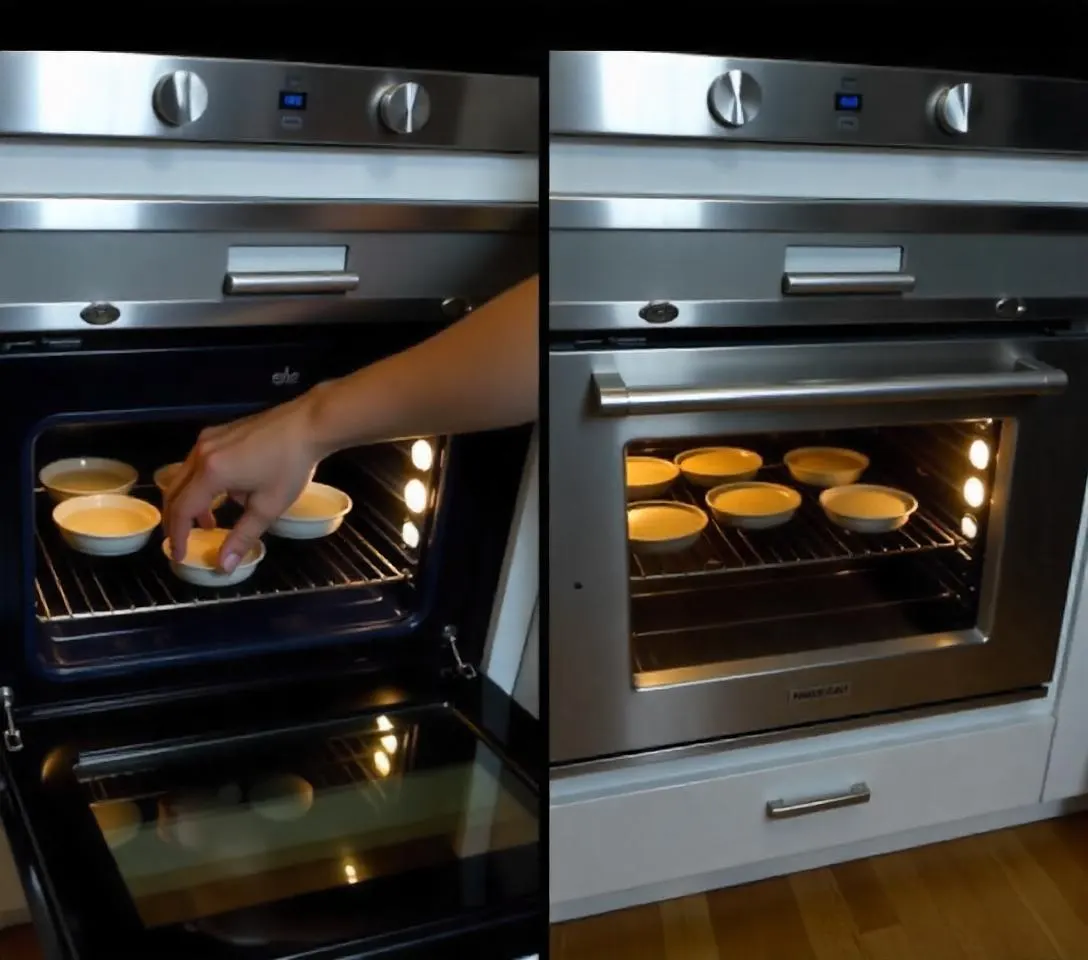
pixel 735 98
pixel 180 98
pixel 405 108
pixel 954 109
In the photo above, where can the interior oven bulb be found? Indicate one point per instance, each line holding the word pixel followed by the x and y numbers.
pixel 409 533
pixel 382 763
pixel 979 454
pixel 422 455
pixel 974 492
pixel 969 526
pixel 351 874
pixel 389 744
pixel 384 723
pixel 415 495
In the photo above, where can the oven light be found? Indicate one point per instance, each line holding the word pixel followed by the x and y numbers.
pixel 389 744
pixel 422 455
pixel 350 873
pixel 382 763
pixel 384 723
pixel 415 495
pixel 969 526
pixel 409 533
pixel 979 454
pixel 974 492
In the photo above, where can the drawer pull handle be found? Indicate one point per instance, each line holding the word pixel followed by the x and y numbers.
pixel 857 794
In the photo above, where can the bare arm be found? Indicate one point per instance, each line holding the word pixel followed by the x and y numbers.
pixel 482 373
pixel 479 374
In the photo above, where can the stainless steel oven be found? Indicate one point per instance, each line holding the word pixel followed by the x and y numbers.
pixel 311 762
pixel 944 342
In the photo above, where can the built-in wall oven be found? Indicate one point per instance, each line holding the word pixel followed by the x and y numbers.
pixel 309 763
pixel 770 287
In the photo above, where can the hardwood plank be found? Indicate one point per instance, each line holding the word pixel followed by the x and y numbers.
pixel 919 915
pixel 982 911
pixel 1034 886
pixel 826 916
pixel 759 921
pixel 19 943
pixel 689 931
pixel 639 931
pixel 864 896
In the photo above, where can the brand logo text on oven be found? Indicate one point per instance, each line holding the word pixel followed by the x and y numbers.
pixel 825 691
pixel 285 378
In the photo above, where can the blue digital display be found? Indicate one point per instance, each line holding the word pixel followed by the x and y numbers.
pixel 850 102
pixel 292 100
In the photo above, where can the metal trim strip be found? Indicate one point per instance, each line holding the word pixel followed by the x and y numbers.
pixel 79 214
pixel 788 215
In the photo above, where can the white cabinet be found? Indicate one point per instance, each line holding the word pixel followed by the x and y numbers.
pixel 1067 773
pixel 671 825
pixel 13 908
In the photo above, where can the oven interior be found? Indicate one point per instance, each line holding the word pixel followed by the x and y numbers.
pixel 98 614
pixel 739 596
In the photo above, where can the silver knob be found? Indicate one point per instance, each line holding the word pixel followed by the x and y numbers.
pixel 180 98
pixel 735 98
pixel 405 108
pixel 954 109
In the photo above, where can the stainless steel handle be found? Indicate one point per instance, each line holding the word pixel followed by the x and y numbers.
pixel 237 284
pixel 781 810
pixel 825 284
pixel 1029 377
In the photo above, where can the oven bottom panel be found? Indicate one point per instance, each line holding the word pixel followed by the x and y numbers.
pixel 392 829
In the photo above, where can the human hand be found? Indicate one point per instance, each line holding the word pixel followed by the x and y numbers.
pixel 263 461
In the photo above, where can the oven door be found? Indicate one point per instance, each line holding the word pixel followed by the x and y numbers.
pixel 326 821
pixel 739 630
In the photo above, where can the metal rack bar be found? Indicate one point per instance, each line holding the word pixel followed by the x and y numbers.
pixel 808 539
pixel 71 586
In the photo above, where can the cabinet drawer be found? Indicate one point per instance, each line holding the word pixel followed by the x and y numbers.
pixel 663 832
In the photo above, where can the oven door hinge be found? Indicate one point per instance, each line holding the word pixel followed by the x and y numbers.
pixel 13 739
pixel 466 671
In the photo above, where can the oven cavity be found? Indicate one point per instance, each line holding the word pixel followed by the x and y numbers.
pixel 98 612
pixel 761 579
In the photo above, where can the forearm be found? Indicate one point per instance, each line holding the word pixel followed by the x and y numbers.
pixel 482 373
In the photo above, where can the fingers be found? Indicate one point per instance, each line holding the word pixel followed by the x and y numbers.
pixel 247 531
pixel 191 503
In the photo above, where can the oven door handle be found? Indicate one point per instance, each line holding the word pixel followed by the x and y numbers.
pixel 829 284
pixel 287 284
pixel 1029 377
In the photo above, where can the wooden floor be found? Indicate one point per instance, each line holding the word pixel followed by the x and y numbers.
pixel 19 944
pixel 1019 894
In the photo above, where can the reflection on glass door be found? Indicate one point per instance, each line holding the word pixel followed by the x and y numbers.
pixel 789 544
pixel 390 796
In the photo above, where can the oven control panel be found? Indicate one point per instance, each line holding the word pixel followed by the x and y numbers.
pixel 632 94
pixel 122 95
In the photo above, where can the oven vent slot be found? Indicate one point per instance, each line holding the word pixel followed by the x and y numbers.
pixel 809 271
pixel 287 271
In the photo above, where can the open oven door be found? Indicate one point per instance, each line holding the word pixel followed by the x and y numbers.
pixel 325 821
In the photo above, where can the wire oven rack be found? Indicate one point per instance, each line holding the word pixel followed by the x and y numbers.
pixel 365 551
pixel 808 539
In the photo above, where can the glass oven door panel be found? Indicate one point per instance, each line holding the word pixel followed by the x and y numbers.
pixel 742 594
pixel 810 622
pixel 371 828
